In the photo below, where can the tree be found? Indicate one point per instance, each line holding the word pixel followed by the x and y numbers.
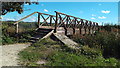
pixel 14 6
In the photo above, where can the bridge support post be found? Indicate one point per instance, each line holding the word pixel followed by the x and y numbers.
pixel 65 31
pixel 89 30
pixel 38 20
pixel 74 26
pixel 86 26
pixel 55 30
pixel 97 26
pixel 65 28
pixel 73 31
pixel 90 27
pixel 17 28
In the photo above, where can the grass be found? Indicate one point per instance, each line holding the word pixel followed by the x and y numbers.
pixel 68 59
pixel 38 51
pixel 58 55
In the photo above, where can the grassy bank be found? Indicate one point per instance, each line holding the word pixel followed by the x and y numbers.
pixel 53 53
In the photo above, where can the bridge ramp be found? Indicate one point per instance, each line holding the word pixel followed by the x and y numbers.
pixel 66 41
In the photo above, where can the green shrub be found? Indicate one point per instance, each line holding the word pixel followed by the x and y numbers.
pixel 108 42
pixel 9 35
pixel 90 52
pixel 107 27
pixel 7 40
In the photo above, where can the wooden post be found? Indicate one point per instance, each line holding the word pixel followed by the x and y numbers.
pixel 74 26
pixel 65 30
pixel 66 26
pixel 82 24
pixel 60 18
pixel 51 20
pixel 90 27
pixel 97 26
pixel 86 26
pixel 38 20
pixel 80 29
pixel 73 30
pixel 55 30
pixel 17 28
pixel 93 27
pixel 17 32
pixel 67 21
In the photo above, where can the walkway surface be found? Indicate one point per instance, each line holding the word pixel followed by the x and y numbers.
pixel 9 54
pixel 67 41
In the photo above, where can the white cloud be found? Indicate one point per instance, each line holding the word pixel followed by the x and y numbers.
pixel 103 17
pixel 33 18
pixel 8 19
pixel 34 0
pixel 45 10
pixel 93 18
pixel 93 15
pixel 103 11
pixel 26 4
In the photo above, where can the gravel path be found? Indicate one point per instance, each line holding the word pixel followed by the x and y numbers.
pixel 9 54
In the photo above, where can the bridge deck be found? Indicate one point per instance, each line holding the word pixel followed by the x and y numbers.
pixel 61 30
pixel 47 27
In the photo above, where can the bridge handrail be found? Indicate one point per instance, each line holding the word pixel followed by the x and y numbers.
pixel 31 15
pixel 70 16
pixel 16 23
pixel 51 17
pixel 84 22
pixel 25 17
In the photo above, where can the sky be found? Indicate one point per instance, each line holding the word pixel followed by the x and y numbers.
pixel 101 12
pixel 76 0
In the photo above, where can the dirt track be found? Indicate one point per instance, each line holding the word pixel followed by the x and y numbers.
pixel 9 54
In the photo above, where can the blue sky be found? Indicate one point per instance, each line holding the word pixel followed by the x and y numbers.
pixel 106 12
pixel 76 0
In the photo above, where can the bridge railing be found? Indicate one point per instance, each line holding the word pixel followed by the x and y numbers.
pixel 68 21
pixel 46 20
pixel 20 25
pixel 42 20
pixel 60 20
